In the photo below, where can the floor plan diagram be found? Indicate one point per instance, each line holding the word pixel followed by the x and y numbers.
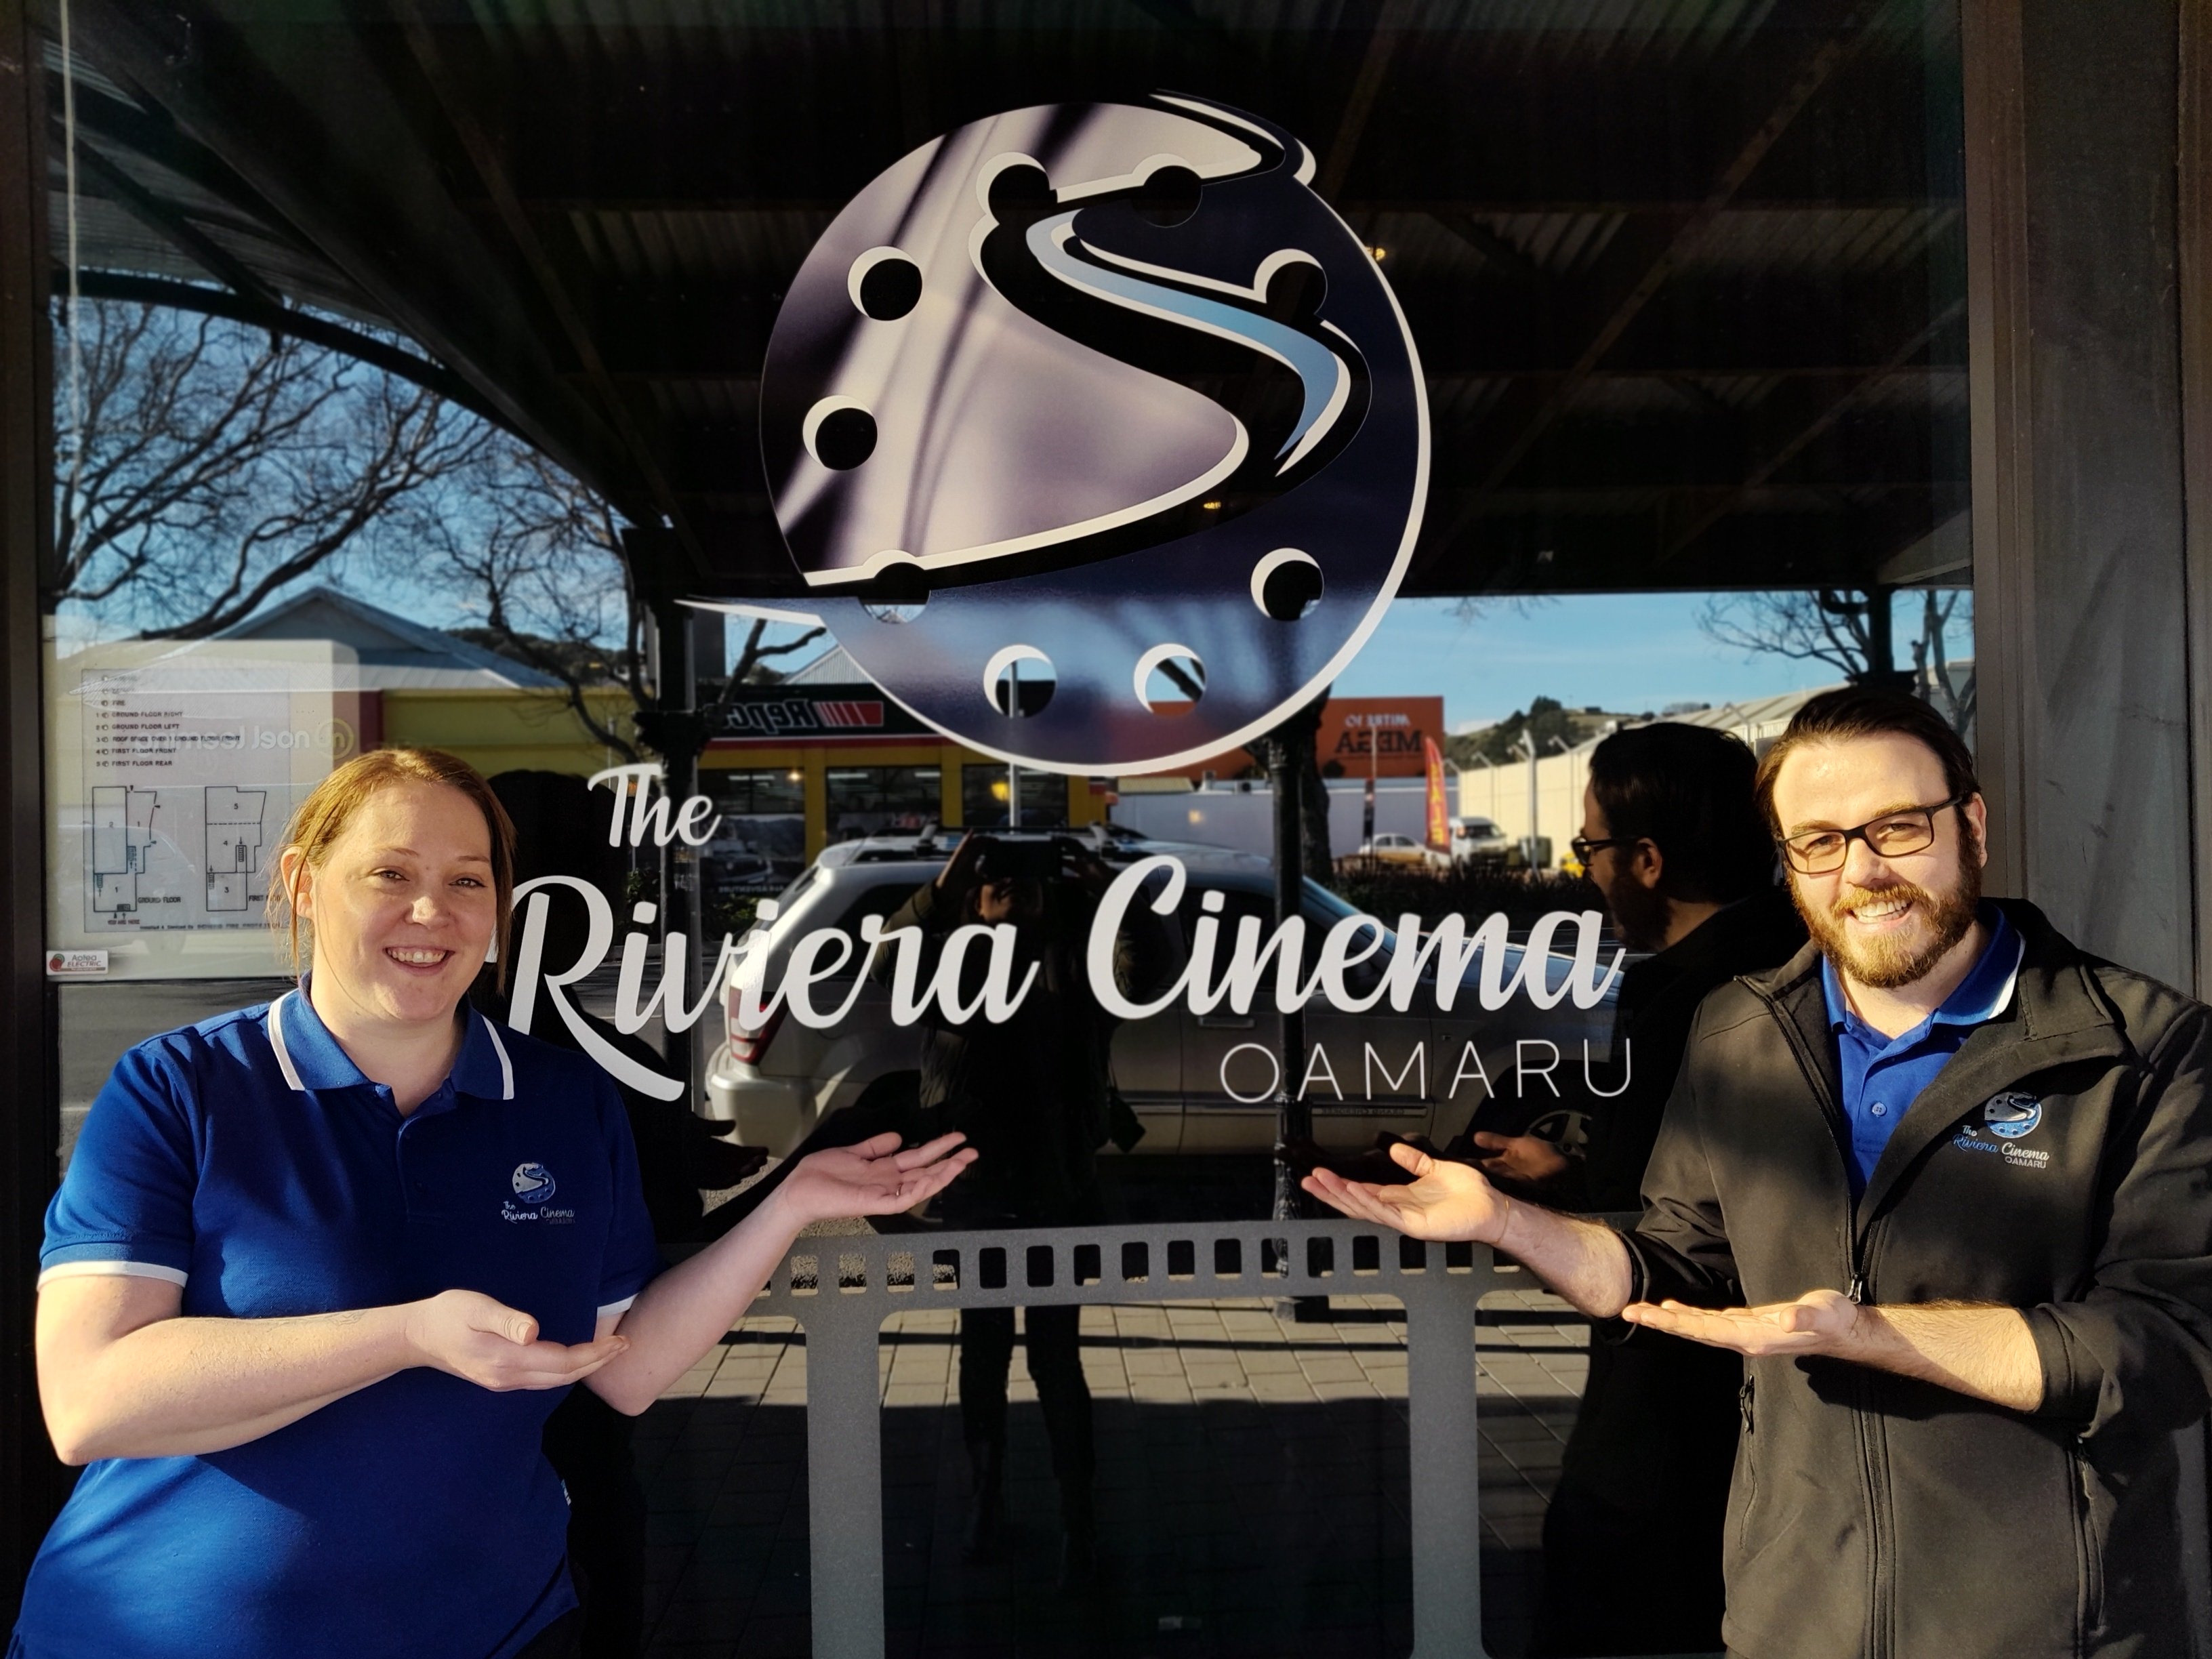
pixel 166 855
pixel 233 845
pixel 122 834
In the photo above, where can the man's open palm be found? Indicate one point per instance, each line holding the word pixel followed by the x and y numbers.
pixel 1817 1323
pixel 1446 1200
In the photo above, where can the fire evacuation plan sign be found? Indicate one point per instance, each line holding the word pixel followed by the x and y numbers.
pixel 175 772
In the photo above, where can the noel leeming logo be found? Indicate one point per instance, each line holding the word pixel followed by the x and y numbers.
pixel 533 1185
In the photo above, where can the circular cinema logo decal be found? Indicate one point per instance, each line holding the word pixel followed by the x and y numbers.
pixel 1097 438
pixel 533 1183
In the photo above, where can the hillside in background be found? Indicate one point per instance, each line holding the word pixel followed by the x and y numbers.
pixel 1545 718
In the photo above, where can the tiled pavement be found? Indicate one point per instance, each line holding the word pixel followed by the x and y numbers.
pixel 1252 1486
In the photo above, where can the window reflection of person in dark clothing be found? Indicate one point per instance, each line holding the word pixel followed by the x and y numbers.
pixel 588 1441
pixel 1674 839
pixel 1034 1096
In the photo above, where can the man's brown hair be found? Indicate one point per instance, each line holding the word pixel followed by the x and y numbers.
pixel 1855 711
pixel 1688 790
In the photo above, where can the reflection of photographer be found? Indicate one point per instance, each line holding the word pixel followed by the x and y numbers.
pixel 1034 1096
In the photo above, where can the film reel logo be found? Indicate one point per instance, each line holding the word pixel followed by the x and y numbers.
pixel 1094 435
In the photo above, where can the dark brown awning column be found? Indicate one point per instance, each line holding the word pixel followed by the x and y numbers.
pixel 31 1481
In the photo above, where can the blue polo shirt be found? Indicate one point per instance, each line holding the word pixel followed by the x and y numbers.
pixel 248 1161
pixel 1882 1076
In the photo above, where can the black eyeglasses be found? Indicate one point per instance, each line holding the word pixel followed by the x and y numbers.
pixel 1583 847
pixel 1908 830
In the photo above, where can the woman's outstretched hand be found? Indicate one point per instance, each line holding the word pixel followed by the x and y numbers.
pixel 873 1177
pixel 1446 1200
pixel 476 1338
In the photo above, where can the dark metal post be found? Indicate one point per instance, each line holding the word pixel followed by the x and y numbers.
pixel 673 729
pixel 1293 1117
pixel 1874 609
pixel 675 690
pixel 1881 650
pixel 32 1482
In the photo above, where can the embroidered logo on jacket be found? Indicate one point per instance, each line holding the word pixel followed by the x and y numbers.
pixel 2012 1115
pixel 2006 1117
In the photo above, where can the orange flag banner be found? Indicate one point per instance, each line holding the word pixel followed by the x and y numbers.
pixel 1439 813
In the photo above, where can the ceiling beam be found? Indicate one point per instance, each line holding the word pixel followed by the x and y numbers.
pixel 307 121
pixel 1838 546
pixel 172 225
pixel 1562 129
pixel 1336 157
pixel 630 200
pixel 1831 52
pixel 1712 323
pixel 460 113
pixel 1842 399
pixel 151 135
pixel 277 318
pixel 1495 250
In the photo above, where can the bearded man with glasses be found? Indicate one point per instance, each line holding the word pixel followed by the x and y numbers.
pixel 1943 1180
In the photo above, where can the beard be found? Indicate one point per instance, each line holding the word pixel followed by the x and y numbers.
pixel 1638 914
pixel 1888 963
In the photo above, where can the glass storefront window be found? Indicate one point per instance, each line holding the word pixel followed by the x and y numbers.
pixel 761 842
pixel 867 800
pixel 445 465
pixel 985 792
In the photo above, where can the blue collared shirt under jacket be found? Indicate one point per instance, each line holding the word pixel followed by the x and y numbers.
pixel 1881 1076
pixel 248 1161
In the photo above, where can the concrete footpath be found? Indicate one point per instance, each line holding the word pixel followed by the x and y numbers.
pixel 1252 1475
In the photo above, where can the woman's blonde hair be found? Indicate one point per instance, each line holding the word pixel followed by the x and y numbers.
pixel 331 805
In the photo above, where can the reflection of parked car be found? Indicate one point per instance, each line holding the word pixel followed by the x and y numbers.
pixel 1480 842
pixel 753 853
pixel 1198 1083
pixel 1394 849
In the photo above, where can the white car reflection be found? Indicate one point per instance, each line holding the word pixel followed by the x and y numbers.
pixel 1198 1083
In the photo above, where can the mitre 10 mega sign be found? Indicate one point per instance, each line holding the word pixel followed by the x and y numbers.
pixel 1381 737
pixel 1358 737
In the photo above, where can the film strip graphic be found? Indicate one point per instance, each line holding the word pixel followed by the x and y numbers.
pixel 840 1290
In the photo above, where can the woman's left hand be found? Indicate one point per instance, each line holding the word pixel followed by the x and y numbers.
pixel 690 1307
pixel 873 1177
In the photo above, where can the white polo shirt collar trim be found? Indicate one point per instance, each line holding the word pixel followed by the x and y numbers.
pixel 310 1058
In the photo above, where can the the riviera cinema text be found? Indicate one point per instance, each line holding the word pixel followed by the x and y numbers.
pixel 1359 963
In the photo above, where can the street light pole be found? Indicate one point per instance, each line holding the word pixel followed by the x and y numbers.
pixel 1528 747
pixel 1014 772
pixel 1529 737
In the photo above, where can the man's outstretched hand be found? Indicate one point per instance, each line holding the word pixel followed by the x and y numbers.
pixel 1446 1200
pixel 1529 1159
pixel 1819 1323
pixel 873 1177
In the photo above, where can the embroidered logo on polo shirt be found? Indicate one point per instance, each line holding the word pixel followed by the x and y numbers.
pixel 533 1184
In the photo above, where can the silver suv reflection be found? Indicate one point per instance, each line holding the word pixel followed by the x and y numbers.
pixel 1199 1083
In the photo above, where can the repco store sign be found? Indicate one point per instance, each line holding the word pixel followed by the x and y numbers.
pixel 823 711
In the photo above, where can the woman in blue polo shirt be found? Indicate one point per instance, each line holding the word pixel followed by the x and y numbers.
pixel 320 1269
